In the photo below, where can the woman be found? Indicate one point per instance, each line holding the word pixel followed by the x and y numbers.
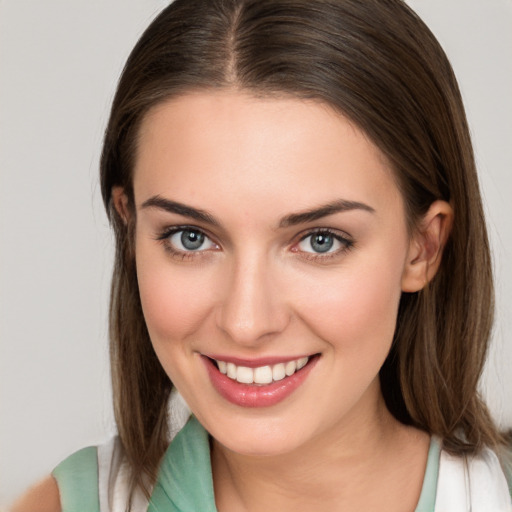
pixel 298 224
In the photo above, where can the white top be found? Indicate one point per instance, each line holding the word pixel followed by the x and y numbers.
pixel 476 486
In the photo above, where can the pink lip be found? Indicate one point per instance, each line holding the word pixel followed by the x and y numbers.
pixel 252 395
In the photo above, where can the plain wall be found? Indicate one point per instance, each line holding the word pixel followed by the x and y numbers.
pixel 59 62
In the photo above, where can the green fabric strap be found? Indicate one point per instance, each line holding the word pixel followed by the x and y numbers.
pixel 427 500
pixel 77 478
pixel 185 482
pixel 508 475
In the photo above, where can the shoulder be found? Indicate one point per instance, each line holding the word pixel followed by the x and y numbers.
pixel 42 497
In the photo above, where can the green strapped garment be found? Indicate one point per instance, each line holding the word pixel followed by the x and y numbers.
pixel 185 481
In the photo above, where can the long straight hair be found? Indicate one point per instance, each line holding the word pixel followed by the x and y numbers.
pixel 378 64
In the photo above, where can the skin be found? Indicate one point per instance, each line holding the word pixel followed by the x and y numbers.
pixel 257 288
pixel 42 497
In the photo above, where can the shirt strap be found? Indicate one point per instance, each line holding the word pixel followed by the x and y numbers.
pixel 185 482
pixel 77 479
pixel 508 476
pixel 428 491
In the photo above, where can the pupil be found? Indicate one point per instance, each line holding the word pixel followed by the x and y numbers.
pixel 192 240
pixel 322 242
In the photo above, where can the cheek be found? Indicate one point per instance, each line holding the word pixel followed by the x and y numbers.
pixel 174 303
pixel 355 307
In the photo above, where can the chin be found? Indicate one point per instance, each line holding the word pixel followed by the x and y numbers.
pixel 257 437
pixel 260 446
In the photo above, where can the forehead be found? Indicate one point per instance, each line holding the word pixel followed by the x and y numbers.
pixel 274 151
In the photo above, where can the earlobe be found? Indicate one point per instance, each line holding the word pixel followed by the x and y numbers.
pixel 120 202
pixel 426 247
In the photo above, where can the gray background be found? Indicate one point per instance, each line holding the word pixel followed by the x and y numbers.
pixel 59 62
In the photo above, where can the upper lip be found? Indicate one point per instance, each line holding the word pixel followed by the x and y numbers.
pixel 257 362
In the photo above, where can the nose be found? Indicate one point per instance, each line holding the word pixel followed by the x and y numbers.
pixel 253 308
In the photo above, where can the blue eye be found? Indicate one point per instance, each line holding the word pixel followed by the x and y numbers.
pixel 187 240
pixel 322 242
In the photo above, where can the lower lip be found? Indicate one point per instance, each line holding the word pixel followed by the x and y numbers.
pixel 253 395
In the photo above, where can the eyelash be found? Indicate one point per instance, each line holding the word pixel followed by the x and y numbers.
pixel 346 244
pixel 165 235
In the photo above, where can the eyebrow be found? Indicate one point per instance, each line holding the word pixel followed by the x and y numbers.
pixel 338 206
pixel 180 209
pixel 293 219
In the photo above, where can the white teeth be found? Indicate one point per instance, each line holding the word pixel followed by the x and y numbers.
pixel 245 375
pixel 231 371
pixel 290 368
pixel 278 372
pixel 261 374
pixel 301 362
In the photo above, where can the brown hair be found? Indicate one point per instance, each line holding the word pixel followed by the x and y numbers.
pixel 377 63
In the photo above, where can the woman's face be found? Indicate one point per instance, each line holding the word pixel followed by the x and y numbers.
pixel 269 233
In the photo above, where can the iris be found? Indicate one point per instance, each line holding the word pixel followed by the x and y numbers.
pixel 322 242
pixel 192 240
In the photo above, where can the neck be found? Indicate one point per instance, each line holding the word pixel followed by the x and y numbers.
pixel 336 469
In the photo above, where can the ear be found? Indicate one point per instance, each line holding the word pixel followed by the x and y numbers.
pixel 120 202
pixel 426 247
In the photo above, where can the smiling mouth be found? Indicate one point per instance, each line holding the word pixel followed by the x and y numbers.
pixel 261 375
pixel 255 383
